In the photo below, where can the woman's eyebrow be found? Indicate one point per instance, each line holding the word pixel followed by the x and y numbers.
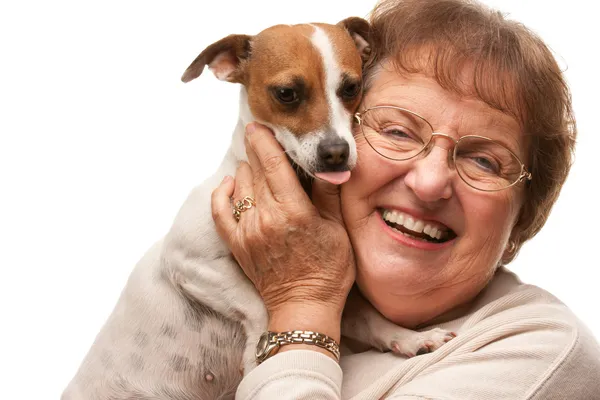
pixel 501 132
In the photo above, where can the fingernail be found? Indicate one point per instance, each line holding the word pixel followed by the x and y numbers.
pixel 226 179
pixel 250 128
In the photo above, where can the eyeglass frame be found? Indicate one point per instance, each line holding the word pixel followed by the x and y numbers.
pixel 524 175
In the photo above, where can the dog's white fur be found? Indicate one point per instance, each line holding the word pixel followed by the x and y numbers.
pixel 188 320
pixel 340 119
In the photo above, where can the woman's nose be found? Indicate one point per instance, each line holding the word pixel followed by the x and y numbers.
pixel 430 175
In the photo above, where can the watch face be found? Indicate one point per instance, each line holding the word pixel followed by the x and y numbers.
pixel 262 344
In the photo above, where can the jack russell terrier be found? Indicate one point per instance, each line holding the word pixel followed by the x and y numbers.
pixel 188 321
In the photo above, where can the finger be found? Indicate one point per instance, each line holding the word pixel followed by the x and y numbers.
pixel 326 197
pixel 222 214
pixel 261 187
pixel 273 163
pixel 244 187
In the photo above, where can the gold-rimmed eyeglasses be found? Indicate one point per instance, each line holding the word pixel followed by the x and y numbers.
pixel 400 134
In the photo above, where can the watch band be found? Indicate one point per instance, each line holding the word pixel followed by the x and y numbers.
pixel 308 337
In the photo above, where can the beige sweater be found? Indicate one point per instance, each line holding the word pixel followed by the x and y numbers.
pixel 516 342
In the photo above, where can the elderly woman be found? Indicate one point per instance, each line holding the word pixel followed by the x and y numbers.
pixel 465 138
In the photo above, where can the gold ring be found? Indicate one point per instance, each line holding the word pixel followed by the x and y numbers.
pixel 242 205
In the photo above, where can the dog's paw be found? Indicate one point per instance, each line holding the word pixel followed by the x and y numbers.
pixel 421 342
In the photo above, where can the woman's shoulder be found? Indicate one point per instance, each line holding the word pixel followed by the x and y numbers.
pixel 506 297
pixel 541 336
pixel 509 305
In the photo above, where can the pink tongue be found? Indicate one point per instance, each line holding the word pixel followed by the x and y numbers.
pixel 336 178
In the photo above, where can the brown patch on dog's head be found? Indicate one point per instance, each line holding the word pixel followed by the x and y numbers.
pixel 286 80
pixel 350 39
pixel 285 59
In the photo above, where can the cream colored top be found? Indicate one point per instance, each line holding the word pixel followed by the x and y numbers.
pixel 516 341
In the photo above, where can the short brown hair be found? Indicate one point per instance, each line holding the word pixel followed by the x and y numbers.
pixel 513 71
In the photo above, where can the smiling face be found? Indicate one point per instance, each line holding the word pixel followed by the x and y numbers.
pixel 425 241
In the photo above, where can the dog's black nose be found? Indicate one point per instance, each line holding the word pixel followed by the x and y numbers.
pixel 333 152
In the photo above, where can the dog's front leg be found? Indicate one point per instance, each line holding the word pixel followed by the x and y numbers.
pixel 221 285
pixel 362 322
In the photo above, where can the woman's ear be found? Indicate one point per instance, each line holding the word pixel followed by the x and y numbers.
pixel 224 58
pixel 510 250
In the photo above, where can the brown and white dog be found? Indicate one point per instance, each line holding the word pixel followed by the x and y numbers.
pixel 188 321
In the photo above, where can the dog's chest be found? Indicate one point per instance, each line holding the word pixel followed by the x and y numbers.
pixel 196 355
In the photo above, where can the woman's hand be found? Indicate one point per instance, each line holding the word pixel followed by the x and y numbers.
pixel 298 255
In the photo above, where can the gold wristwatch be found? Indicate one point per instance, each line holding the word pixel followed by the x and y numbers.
pixel 269 343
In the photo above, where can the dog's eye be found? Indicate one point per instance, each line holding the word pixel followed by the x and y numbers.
pixel 286 95
pixel 350 90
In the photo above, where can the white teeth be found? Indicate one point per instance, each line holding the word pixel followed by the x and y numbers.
pixel 399 218
pixel 427 230
pixel 418 226
pixel 415 225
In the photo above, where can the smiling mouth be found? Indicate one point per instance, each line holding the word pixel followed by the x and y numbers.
pixel 415 228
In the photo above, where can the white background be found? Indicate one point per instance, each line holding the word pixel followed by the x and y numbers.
pixel 101 142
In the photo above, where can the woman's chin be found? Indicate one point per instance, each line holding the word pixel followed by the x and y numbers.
pixel 381 268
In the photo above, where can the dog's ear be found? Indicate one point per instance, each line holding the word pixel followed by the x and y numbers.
pixel 223 59
pixel 360 31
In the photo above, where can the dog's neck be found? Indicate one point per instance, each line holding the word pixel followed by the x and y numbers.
pixel 238 148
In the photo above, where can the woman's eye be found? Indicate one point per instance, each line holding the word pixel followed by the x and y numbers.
pixel 395 133
pixel 486 164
